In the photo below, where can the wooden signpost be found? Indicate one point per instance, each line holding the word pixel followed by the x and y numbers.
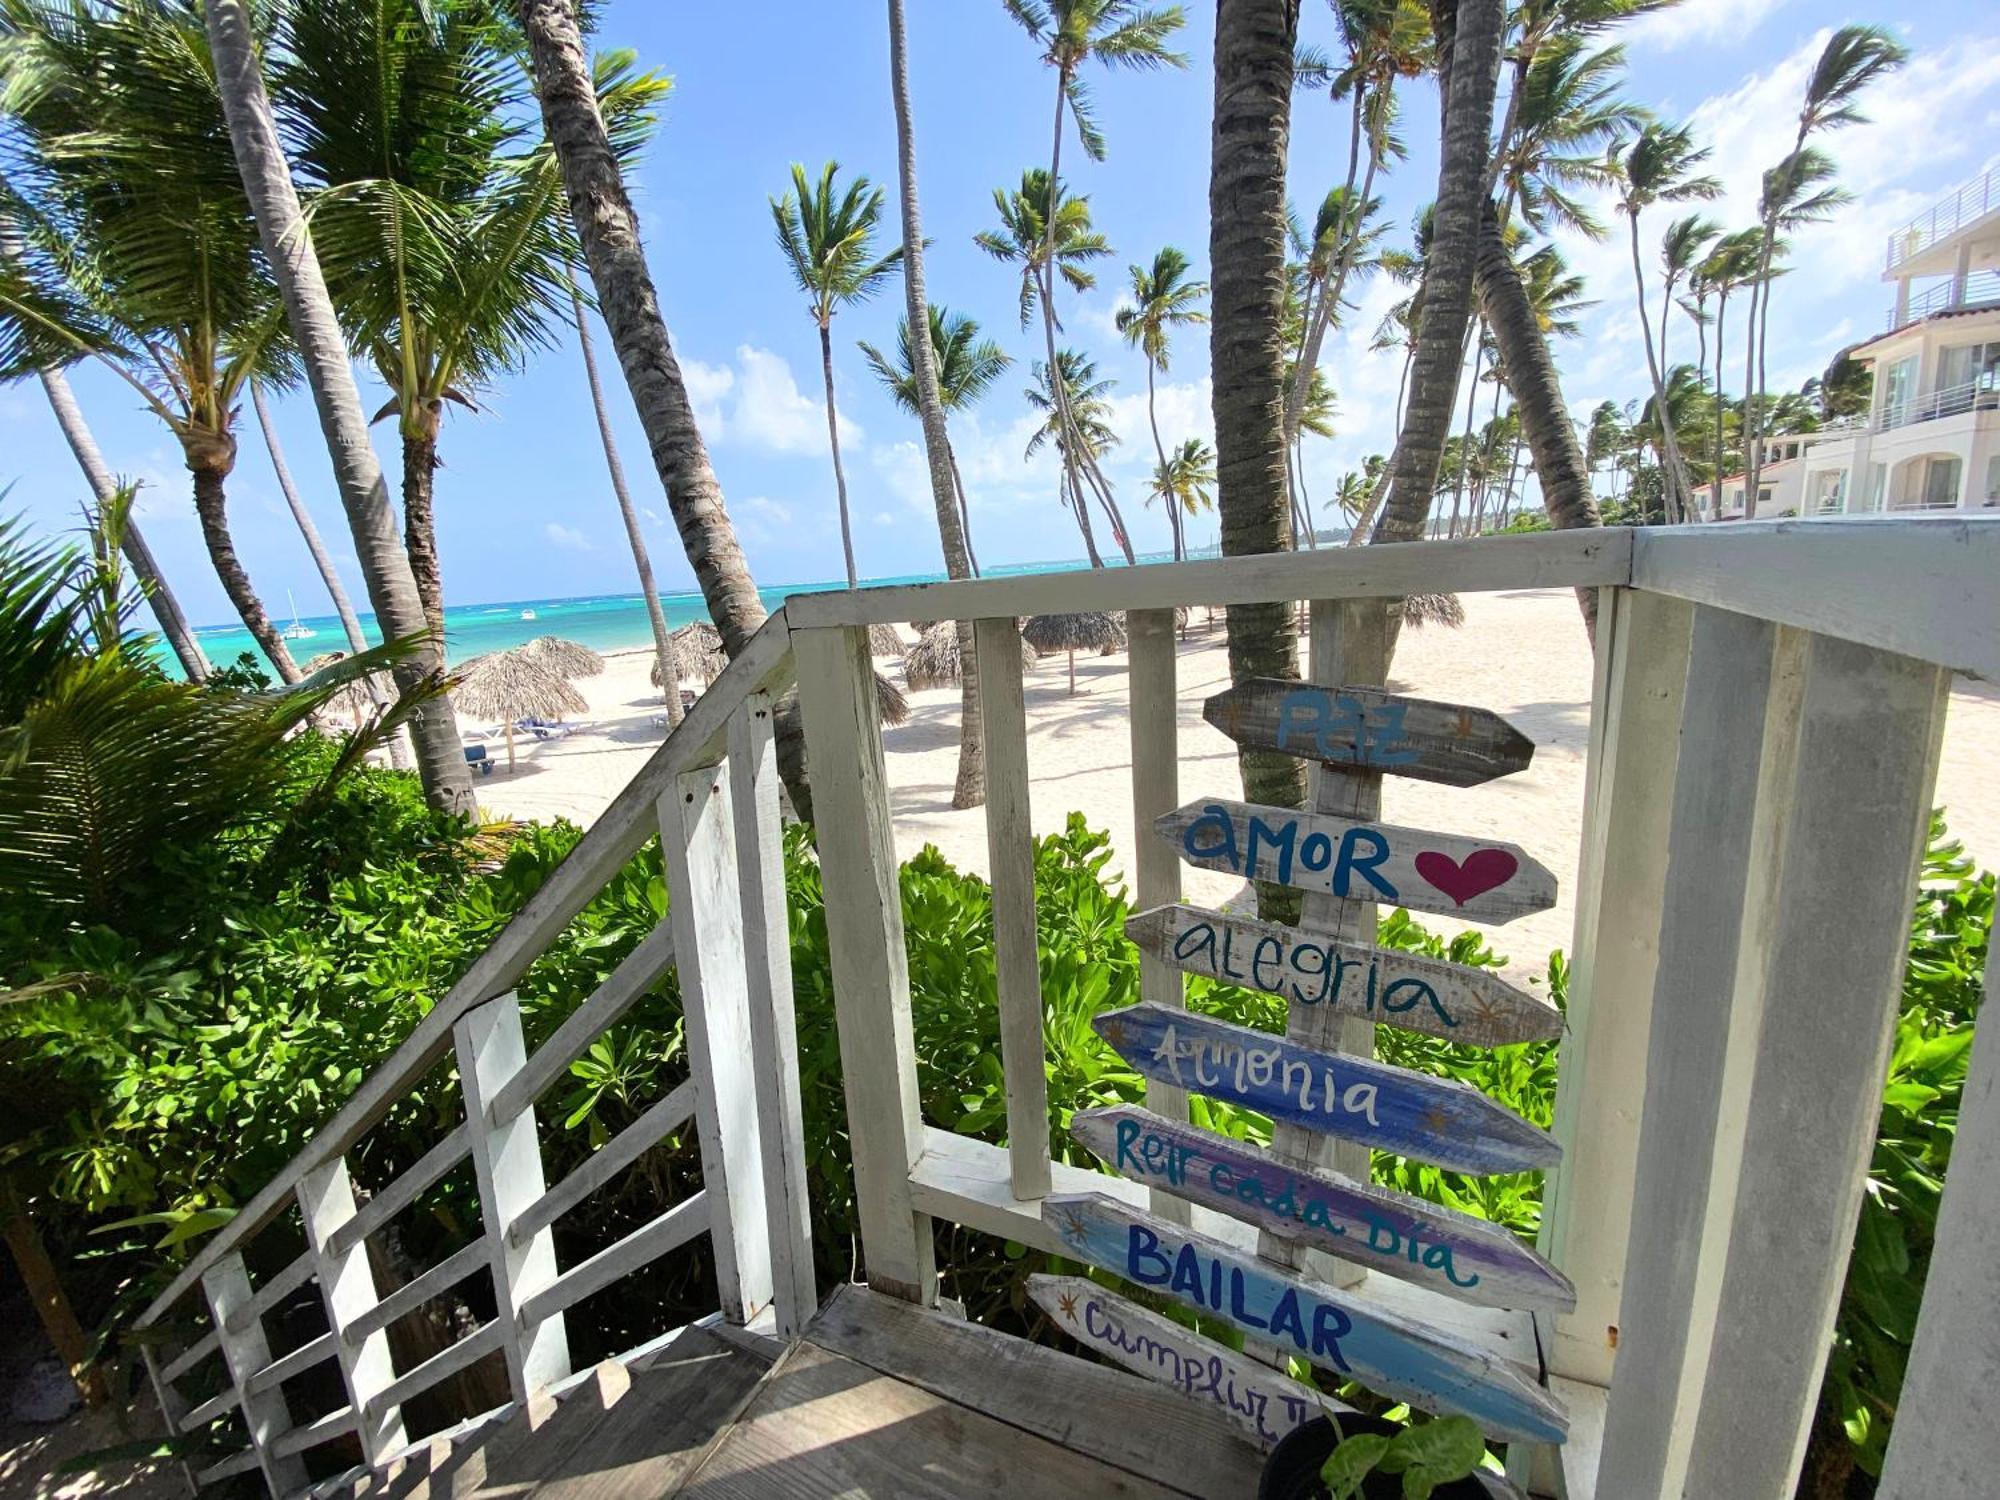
pixel 1265 1403
pixel 1473 1260
pixel 1436 1120
pixel 1482 879
pixel 1458 1003
pixel 1386 1352
pixel 1367 728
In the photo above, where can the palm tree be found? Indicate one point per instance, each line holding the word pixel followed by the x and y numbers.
pixel 1342 229
pixel 965 367
pixel 447 266
pixel 139 252
pixel 1852 59
pixel 1077 419
pixel 1732 263
pixel 350 622
pixel 1682 249
pixel 1606 437
pixel 1162 298
pixel 828 240
pixel 1567 109
pixel 1659 167
pixel 1049 237
pixel 1116 33
pixel 602 213
pixel 1184 482
pixel 287 241
pixel 927 399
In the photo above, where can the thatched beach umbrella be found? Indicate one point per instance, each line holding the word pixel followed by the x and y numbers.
pixel 511 685
pixel 884 641
pixel 352 700
pixel 1087 631
pixel 933 661
pixel 890 703
pixel 566 658
pixel 1433 609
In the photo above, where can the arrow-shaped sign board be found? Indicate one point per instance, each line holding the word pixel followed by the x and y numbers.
pixel 1454 1001
pixel 1257 1398
pixel 1386 1352
pixel 1371 730
pixel 1436 1120
pixel 1473 1260
pixel 1358 861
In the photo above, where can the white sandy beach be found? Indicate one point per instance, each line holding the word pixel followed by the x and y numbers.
pixel 1521 654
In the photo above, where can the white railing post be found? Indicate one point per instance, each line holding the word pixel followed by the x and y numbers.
pixel 1010 858
pixel 871 969
pixel 347 1288
pixel 1830 912
pixel 245 1351
pixel 704 902
pixel 1946 1445
pixel 507 1161
pixel 754 792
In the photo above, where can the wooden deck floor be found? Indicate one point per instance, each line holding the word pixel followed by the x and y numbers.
pixel 879 1401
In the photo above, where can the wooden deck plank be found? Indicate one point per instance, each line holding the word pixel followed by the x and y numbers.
pixel 1105 1414
pixel 824 1426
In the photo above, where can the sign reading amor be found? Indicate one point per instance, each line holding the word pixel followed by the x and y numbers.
pixel 1436 1120
pixel 1470 1259
pixel 1308 968
pixel 1390 1354
pixel 1371 730
pixel 1257 1398
pixel 1435 872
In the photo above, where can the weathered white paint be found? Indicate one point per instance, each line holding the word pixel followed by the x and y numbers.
pixel 606 1162
pixel 704 902
pixel 871 972
pixel 1831 915
pixel 507 1162
pixel 659 1236
pixel 754 793
pixel 1010 856
pixel 349 1294
pixel 414 1293
pixel 450 1149
pixel 246 1351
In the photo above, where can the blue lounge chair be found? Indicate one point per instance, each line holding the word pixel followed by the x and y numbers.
pixel 477 758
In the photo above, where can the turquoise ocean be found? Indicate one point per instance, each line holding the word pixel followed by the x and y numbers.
pixel 603 622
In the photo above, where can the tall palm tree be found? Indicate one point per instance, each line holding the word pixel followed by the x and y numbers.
pixel 1343 229
pixel 1163 298
pixel 1184 482
pixel 965 367
pixel 1567 109
pixel 447 265
pixel 140 254
pixel 1732 263
pixel 1853 58
pixel 1605 438
pixel 350 622
pixel 1077 419
pixel 1682 249
pixel 1114 33
pixel 602 213
pixel 927 399
pixel 1049 235
pixel 1659 167
pixel 287 241
pixel 828 240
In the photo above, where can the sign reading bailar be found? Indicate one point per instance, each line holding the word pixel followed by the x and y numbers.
pixel 1371 730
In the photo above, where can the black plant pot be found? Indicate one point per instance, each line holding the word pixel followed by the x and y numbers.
pixel 1292 1470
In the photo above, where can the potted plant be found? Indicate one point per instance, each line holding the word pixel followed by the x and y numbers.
pixel 1350 1456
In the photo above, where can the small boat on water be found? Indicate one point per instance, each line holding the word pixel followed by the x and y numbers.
pixel 295 631
pixel 527 614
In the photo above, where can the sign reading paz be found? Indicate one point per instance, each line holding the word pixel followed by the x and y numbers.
pixel 1437 1120
pixel 1371 730
pixel 1391 1354
pixel 1307 968
pixel 1470 1259
pixel 1358 861
pixel 1268 1405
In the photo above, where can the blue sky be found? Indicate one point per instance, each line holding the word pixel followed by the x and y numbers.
pixel 525 510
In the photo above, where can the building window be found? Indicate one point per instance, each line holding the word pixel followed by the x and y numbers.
pixel 1899 384
pixel 1965 371
pixel 1993 482
pixel 1878 477
pixel 1829 492
pixel 1940 484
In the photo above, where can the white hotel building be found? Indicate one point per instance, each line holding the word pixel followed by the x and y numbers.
pixel 1930 440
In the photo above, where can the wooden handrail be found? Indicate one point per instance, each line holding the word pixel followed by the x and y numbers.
pixel 449 1151
pixel 606 1162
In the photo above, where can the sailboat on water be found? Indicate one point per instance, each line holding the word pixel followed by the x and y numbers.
pixel 295 631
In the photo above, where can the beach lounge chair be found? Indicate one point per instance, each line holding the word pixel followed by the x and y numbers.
pixel 477 758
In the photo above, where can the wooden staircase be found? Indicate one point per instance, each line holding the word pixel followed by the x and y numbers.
pixel 879 1398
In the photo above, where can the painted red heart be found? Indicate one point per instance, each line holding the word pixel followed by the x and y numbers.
pixel 1482 870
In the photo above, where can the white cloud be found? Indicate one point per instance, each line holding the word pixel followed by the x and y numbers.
pixel 707 385
pixel 1699 21
pixel 757 403
pixel 566 537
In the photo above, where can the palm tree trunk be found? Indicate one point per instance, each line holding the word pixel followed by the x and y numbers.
pixel 1072 496
pixel 1465 448
pixel 1305 496
pixel 1721 413
pixel 603 215
pixel 1531 373
pixel 1314 319
pixel 947 493
pixel 964 509
pixel 288 245
pixel 1715 408
pixel 833 442
pixel 420 464
pixel 663 650
pixel 1101 487
pixel 1469 40
pixel 1675 486
pixel 211 507
pixel 166 608
pixel 1254 42
pixel 350 623
pixel 1748 426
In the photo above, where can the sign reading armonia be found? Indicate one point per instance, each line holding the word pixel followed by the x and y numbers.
pixel 1371 730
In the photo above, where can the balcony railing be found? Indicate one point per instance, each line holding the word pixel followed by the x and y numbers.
pixel 1982 290
pixel 1946 217
pixel 1982 394
pixel 1740 940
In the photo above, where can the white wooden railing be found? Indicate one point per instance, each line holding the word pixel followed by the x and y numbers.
pixel 1764 727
